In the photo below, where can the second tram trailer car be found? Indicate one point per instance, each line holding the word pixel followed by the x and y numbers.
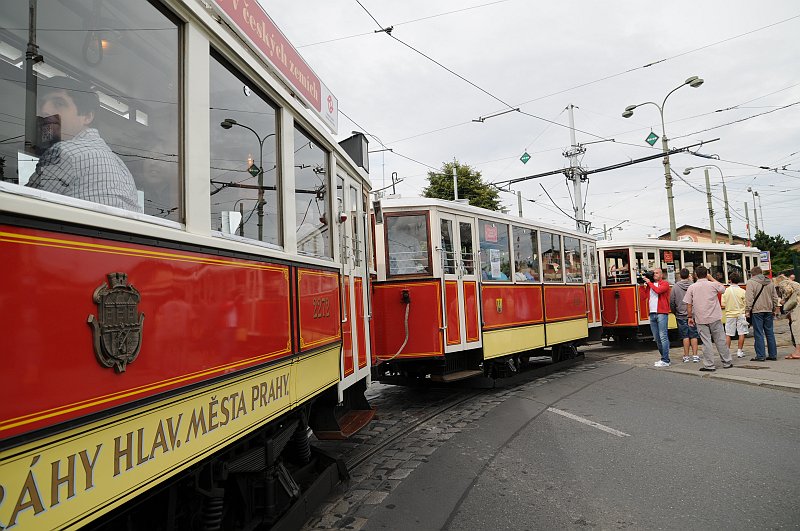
pixel 625 310
pixel 176 272
pixel 463 291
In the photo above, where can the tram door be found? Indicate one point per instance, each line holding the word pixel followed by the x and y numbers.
pixel 460 283
pixel 355 278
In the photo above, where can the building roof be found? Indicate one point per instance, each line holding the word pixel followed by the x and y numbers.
pixel 701 230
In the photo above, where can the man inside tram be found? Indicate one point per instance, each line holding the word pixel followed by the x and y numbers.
pixel 77 162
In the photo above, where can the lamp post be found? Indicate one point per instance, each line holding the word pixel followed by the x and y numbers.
pixel 724 195
pixel 755 212
pixel 227 123
pixel 693 82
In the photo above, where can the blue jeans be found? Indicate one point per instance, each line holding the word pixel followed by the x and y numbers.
pixel 762 325
pixel 658 325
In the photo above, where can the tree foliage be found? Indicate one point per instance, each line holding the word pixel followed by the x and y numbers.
pixel 470 186
pixel 780 253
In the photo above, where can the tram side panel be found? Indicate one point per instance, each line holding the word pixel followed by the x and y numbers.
pixel 565 313
pixel 513 319
pixel 135 362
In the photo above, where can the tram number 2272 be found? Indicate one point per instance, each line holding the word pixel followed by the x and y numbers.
pixel 322 307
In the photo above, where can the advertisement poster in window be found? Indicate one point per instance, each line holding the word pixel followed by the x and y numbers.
pixel 494 258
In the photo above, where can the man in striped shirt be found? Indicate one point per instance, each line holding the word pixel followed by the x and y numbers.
pixel 81 164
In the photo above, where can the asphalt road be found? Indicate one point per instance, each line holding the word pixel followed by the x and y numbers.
pixel 668 451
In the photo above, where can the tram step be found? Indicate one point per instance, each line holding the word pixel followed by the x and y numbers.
pixel 455 376
pixel 349 423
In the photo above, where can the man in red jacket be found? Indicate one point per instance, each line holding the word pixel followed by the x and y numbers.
pixel 657 299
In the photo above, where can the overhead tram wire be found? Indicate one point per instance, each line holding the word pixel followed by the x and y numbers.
pixel 739 120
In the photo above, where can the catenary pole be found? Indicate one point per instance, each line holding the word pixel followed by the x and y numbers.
pixel 575 173
pixel 710 208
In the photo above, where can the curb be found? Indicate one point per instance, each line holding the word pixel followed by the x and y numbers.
pixel 770 384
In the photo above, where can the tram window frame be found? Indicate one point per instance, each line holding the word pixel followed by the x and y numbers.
pixel 574 259
pixel 618 272
pixel 528 266
pixel 226 137
pixel 388 219
pixel 134 126
pixel 558 266
pixel 694 263
pixel 717 269
pixel 320 244
pixel 447 247
pixel 502 245
pixel 728 262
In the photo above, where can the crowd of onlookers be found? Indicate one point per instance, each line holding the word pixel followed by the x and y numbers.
pixel 708 311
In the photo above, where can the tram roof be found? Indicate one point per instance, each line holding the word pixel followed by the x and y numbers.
pixel 449 205
pixel 669 244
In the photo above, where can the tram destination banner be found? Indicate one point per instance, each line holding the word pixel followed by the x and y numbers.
pixel 256 27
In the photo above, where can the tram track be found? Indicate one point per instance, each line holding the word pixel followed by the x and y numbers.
pixel 470 389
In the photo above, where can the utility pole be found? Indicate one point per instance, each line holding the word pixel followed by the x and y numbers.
pixel 747 218
pixel 761 212
pixel 575 173
pixel 755 213
pixel 31 89
pixel 519 202
pixel 727 212
pixel 710 209
pixel 605 232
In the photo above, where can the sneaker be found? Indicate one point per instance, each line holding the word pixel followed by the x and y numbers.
pixel 728 366
pixel 660 363
pixel 740 354
pixel 686 359
pixel 707 369
pixel 695 359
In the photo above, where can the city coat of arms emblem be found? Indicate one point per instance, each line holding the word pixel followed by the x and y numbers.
pixel 117 329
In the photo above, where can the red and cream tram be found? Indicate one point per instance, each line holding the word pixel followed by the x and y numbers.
pixel 625 313
pixel 463 291
pixel 181 239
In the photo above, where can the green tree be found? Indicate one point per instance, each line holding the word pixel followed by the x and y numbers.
pixel 778 247
pixel 470 186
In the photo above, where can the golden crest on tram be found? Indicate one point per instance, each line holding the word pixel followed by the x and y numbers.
pixel 117 329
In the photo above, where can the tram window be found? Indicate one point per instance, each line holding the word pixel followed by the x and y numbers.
pixel 467 248
pixel 593 262
pixel 734 264
pixel 552 269
pixel 747 266
pixel 692 259
pixel 448 254
pixel 572 260
pixel 617 265
pixel 311 199
pixel 495 255
pixel 670 264
pixel 343 236
pixel 407 244
pixel 714 263
pixel 368 242
pixel 106 116
pixel 526 255
pixel 243 158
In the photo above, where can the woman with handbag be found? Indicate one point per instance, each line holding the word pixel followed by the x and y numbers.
pixel 791 292
pixel 761 304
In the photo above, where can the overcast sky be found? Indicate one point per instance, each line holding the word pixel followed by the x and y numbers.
pixel 544 56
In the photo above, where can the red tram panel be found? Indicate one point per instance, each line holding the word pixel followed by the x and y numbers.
pixel 453 314
pixel 619 306
pixel 360 323
pixel 507 305
pixel 424 320
pixel 205 316
pixel 471 310
pixel 347 333
pixel 318 301
pixel 563 303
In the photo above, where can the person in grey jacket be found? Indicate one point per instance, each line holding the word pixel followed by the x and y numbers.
pixel 761 304
pixel 688 333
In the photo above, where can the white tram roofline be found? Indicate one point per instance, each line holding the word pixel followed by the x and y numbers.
pixel 671 245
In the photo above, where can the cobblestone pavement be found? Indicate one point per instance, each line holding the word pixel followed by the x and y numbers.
pixel 398 408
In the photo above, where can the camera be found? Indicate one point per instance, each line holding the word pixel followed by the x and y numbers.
pixel 649 274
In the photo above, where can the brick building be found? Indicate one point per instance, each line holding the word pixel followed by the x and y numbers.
pixel 699 234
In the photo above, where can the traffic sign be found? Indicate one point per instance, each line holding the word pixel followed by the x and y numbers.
pixel 253 170
pixel 525 158
pixel 651 138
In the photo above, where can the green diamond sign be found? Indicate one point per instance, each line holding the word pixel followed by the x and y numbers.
pixel 525 158
pixel 253 170
pixel 651 138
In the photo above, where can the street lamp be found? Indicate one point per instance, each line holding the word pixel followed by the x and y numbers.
pixel 724 194
pixel 227 123
pixel 755 211
pixel 693 82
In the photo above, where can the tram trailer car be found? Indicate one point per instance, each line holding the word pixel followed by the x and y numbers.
pixel 623 299
pixel 164 358
pixel 463 291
